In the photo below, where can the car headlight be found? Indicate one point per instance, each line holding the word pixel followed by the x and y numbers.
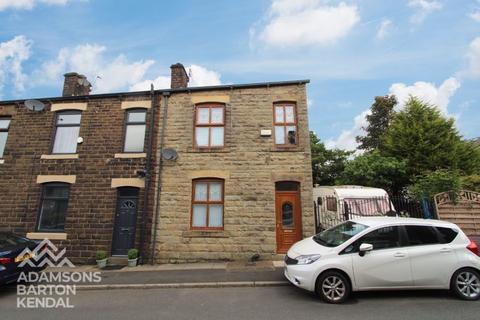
pixel 307 259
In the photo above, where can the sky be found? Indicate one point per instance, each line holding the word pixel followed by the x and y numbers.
pixel 351 51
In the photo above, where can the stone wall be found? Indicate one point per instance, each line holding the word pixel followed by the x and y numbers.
pixel 250 165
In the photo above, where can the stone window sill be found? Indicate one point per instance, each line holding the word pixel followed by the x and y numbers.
pixel 287 149
pixel 208 150
pixel 206 234
pixel 47 235
pixel 59 156
pixel 130 155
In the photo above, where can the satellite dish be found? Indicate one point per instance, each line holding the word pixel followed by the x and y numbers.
pixel 34 105
pixel 169 154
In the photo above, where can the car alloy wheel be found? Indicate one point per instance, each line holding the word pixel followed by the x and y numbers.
pixel 333 287
pixel 468 284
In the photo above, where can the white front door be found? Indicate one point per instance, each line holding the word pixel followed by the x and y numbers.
pixel 432 263
pixel 387 265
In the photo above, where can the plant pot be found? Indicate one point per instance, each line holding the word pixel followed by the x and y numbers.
pixel 102 263
pixel 132 262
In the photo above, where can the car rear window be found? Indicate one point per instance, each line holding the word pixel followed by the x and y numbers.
pixel 421 235
pixel 9 240
pixel 447 234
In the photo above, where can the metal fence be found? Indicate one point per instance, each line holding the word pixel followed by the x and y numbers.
pixel 330 210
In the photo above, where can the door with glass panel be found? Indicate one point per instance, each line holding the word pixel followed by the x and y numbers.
pixel 125 221
pixel 288 214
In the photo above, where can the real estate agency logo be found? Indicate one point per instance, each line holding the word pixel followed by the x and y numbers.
pixel 44 255
pixel 52 288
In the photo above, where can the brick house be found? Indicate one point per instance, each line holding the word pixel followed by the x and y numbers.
pixel 183 174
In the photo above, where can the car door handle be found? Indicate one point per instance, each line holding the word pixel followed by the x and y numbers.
pixel 445 250
pixel 399 255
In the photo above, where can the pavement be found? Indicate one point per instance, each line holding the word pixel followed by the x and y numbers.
pixel 228 274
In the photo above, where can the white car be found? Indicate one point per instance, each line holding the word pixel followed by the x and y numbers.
pixel 381 253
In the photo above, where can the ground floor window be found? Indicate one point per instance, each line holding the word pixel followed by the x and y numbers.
pixel 207 204
pixel 53 208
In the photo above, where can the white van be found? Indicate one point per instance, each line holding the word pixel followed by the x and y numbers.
pixel 339 203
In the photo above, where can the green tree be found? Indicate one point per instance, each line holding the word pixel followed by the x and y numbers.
pixel 327 164
pixel 428 142
pixel 382 112
pixel 471 182
pixel 374 170
pixel 435 182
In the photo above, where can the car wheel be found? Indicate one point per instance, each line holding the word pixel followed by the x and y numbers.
pixel 333 287
pixel 466 284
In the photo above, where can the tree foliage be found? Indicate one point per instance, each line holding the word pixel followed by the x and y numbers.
pixel 375 170
pixel 428 142
pixel 416 150
pixel 435 182
pixel 382 112
pixel 327 164
pixel 471 182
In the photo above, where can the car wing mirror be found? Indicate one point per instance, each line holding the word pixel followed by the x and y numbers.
pixel 364 248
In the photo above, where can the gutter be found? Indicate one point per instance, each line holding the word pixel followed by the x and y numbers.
pixel 166 94
pixel 148 175
pixel 120 95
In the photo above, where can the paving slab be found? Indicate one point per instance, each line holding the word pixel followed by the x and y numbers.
pixel 174 274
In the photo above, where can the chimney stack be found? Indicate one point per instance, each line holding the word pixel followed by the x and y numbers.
pixel 76 85
pixel 179 78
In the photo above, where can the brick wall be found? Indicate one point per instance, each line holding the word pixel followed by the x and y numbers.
pixel 92 201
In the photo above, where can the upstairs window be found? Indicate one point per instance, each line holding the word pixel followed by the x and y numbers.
pixel 4 126
pixel 53 210
pixel 285 122
pixel 207 204
pixel 135 125
pixel 210 126
pixel 67 130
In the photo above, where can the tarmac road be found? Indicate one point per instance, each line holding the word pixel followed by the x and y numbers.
pixel 286 302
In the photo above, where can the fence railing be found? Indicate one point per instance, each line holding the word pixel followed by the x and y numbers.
pixel 331 210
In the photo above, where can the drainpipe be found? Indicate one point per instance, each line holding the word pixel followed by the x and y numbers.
pixel 148 174
pixel 159 178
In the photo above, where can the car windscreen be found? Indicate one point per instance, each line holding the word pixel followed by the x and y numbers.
pixel 338 234
pixel 10 240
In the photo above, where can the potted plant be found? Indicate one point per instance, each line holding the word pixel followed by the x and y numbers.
pixel 101 257
pixel 132 257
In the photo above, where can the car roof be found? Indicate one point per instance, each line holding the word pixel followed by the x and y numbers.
pixel 381 221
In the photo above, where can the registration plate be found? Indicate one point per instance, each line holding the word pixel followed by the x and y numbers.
pixel 24 257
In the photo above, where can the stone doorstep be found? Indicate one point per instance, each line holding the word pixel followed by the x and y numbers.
pixel 120 261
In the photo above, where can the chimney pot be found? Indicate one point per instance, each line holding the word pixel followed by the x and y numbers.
pixel 75 85
pixel 179 77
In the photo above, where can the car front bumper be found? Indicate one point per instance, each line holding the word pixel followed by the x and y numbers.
pixel 301 276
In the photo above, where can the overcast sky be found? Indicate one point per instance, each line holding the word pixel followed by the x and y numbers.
pixel 351 51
